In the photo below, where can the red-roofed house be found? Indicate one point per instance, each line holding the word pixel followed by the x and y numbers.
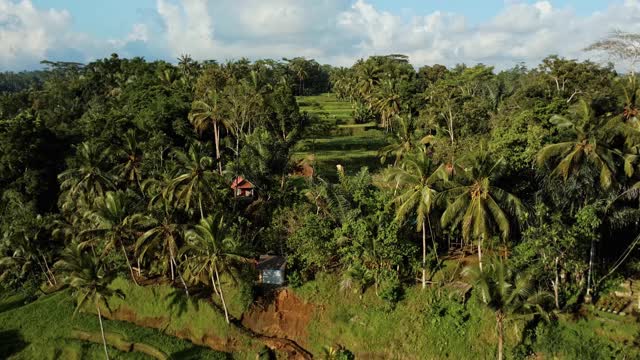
pixel 242 187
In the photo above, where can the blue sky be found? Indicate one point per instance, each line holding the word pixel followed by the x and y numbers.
pixel 497 32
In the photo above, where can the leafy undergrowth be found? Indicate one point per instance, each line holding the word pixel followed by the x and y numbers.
pixel 432 324
pixel 43 329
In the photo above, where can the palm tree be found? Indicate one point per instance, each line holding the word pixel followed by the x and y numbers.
pixel 188 67
pixel 193 178
pixel 243 109
pixel 506 294
pixel 130 153
pixel 207 113
pixel 404 140
pixel 23 254
pixel 368 75
pixel 211 250
pixel 163 234
pixel 112 224
pixel 416 181
pixel 588 146
pixel 478 206
pixel 388 102
pixel 89 279
pixel 86 179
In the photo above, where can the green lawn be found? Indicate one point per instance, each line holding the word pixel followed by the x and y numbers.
pixel 43 329
pixel 350 145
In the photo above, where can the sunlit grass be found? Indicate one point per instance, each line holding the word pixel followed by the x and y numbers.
pixel 43 330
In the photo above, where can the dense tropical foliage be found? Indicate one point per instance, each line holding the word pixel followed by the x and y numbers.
pixel 124 167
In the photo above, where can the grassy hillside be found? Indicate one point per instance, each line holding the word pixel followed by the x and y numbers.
pixel 43 330
pixel 348 144
pixel 431 324
pixel 424 324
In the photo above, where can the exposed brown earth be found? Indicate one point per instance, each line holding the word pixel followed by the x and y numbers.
pixel 280 322
pixel 284 316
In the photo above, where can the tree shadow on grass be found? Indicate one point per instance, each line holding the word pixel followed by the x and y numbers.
pixel 11 342
pixel 20 301
pixel 199 352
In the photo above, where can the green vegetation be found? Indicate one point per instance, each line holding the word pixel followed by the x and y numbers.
pixel 146 191
pixel 338 139
pixel 435 323
pixel 43 329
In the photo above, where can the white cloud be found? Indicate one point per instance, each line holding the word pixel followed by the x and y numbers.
pixel 333 31
pixel 26 32
pixel 29 35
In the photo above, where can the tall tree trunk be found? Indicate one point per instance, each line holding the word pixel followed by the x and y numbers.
pixel 184 284
pixel 433 239
pixel 224 304
pixel 53 277
pixel 424 255
pixel 556 284
pixel 591 255
pixel 104 340
pixel 216 138
pixel 500 321
pixel 173 277
pixel 480 252
pixel 215 288
pixel 450 126
pixel 124 251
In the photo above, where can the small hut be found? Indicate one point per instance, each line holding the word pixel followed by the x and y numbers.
pixel 271 269
pixel 242 187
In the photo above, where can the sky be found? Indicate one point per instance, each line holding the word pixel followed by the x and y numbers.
pixel 501 33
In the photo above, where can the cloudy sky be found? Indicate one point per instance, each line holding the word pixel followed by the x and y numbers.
pixel 496 32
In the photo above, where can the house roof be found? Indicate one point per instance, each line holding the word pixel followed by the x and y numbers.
pixel 241 183
pixel 271 262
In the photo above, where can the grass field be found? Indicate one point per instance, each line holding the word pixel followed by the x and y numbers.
pixel 350 145
pixel 43 329
pixel 431 324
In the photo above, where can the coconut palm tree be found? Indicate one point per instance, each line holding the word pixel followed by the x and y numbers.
pixel 404 140
pixel 130 168
pixel 507 294
pixel 387 102
pixel 89 280
pixel 210 250
pixel 206 113
pixel 20 252
pixel 113 223
pixel 85 179
pixel 476 205
pixel 416 181
pixel 193 178
pixel 589 145
pixel 368 75
pixel 163 234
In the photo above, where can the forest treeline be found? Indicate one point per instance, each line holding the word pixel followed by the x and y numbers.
pixel 124 166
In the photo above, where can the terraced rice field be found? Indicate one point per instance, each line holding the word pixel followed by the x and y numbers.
pixel 348 144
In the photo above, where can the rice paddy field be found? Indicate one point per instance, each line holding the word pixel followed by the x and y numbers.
pixel 346 143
